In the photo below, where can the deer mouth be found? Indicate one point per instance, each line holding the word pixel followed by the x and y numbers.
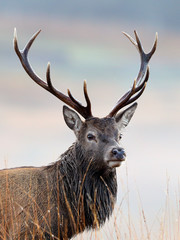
pixel 113 163
pixel 115 156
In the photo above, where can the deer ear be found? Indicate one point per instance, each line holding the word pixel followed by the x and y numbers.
pixel 124 117
pixel 72 119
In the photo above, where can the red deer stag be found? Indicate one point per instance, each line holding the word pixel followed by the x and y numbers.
pixel 78 191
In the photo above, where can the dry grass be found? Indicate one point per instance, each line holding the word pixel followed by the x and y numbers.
pixel 123 225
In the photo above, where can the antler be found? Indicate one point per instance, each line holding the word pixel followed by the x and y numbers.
pixel 69 100
pixel 138 85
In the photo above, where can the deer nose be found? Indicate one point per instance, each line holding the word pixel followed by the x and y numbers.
pixel 119 153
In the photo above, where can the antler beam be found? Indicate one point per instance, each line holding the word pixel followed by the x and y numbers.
pixel 138 85
pixel 129 97
pixel 69 100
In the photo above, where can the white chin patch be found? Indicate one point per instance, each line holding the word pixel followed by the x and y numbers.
pixel 114 164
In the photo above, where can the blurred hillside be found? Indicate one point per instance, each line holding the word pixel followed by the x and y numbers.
pixel 162 13
pixel 83 40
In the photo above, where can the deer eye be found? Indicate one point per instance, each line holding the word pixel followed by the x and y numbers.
pixel 90 137
pixel 120 136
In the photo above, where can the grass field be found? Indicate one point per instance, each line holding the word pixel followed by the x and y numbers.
pixel 125 225
pixel 129 220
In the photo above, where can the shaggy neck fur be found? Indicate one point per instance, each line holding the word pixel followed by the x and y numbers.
pixel 87 193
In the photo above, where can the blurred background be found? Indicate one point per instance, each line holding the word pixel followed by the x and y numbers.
pixel 84 40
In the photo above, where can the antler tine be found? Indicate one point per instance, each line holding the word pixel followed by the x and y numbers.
pixel 140 85
pixel 144 82
pixel 23 56
pixel 87 97
pixel 123 100
pixel 48 76
pixel 87 109
pixel 69 100
pixel 126 99
pixel 145 57
pixel 139 90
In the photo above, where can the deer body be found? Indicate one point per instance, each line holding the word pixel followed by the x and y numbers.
pixel 37 203
pixel 78 191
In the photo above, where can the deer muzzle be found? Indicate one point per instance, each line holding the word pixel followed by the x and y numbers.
pixel 118 153
pixel 115 157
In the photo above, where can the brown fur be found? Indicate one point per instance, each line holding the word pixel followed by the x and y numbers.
pixel 75 193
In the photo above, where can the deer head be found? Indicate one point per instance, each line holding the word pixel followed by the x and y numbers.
pixel 98 137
